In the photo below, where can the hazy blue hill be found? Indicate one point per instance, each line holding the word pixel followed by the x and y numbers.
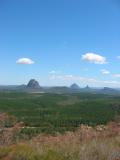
pixel 23 86
pixel 58 89
pixel 87 87
pixel 74 86
pixel 107 90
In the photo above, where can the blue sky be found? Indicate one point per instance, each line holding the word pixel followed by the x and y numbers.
pixel 63 41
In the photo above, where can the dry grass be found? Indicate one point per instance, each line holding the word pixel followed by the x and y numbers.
pixel 95 149
pixel 87 143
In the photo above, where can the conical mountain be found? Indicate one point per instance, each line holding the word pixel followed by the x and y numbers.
pixel 74 86
pixel 33 84
pixel 87 87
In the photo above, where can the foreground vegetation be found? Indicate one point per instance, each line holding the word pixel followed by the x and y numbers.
pixel 86 143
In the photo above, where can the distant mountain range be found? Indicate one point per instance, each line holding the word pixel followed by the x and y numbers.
pixel 34 86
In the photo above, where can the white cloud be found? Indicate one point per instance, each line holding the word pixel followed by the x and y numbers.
pixel 55 72
pixel 24 61
pixel 94 58
pixel 68 77
pixel 116 75
pixel 52 72
pixel 104 71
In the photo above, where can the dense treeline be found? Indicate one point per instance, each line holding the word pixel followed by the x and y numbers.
pixel 53 113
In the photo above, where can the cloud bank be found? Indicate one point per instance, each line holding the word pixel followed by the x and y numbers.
pixel 116 75
pixel 94 58
pixel 84 80
pixel 25 61
pixel 104 71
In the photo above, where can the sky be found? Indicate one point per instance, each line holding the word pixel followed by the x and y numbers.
pixel 59 42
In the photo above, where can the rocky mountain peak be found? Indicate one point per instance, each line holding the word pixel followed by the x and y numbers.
pixel 33 84
pixel 74 86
